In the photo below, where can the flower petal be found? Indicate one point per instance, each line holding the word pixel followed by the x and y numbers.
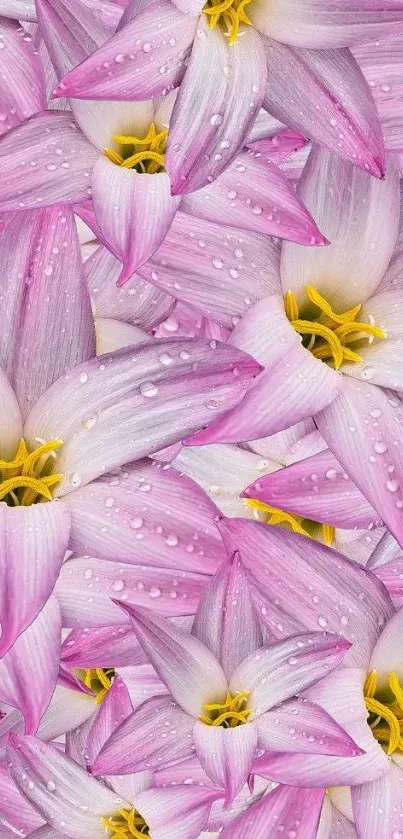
pixel 324 95
pixel 22 83
pixel 36 650
pixel 296 810
pixel 377 806
pixel 301 585
pixel 302 726
pixel 363 429
pixel 44 161
pixel 216 106
pixel 134 212
pixel 226 621
pixel 346 207
pixel 171 527
pixel 226 754
pixel 316 488
pixel 180 811
pixel 129 391
pixel 60 789
pixel 155 735
pixel 67 710
pixel 18 9
pixel 34 540
pixel 158 38
pixel 114 710
pixel 15 810
pixel 253 194
pixel 276 673
pixel 190 671
pixel 104 647
pixel 387 654
pixel 10 417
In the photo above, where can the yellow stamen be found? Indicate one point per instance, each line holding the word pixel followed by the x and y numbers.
pixel 229 713
pixel 291 520
pixel 329 534
pixel 330 331
pixel 28 478
pixel 228 14
pixel 389 711
pixel 97 679
pixel 146 154
pixel 126 824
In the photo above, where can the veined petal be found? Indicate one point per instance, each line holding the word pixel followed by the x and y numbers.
pixel 334 824
pixel 276 673
pixel 33 543
pixel 115 334
pixel 324 95
pixel 296 810
pixel 216 106
pixel 156 734
pixel 22 82
pixel 36 650
pixel 391 575
pixel 345 203
pixel 226 621
pixel 134 212
pixel 190 671
pixel 298 584
pixel 181 811
pixel 387 654
pixel 115 709
pixel 253 194
pixel 68 709
pixel 102 408
pixel 148 38
pixel 300 726
pixel 363 429
pixel 44 161
pixel 18 9
pixel 14 808
pixel 107 646
pixel 171 527
pixel 142 681
pixel 316 488
pixel 10 419
pixel 86 585
pixel 137 302
pixel 60 789
pixel 311 24
pixel 220 271
pixel 226 754
pixel 377 806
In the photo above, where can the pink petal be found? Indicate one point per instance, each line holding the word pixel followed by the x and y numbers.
pixel 47 268
pixel 34 540
pixel 181 811
pixel 114 710
pixel 226 754
pixel 130 390
pixel 137 302
pixel 297 811
pixel 22 83
pixel 363 429
pixel 341 695
pixel 189 670
pixel 36 650
pixel 226 621
pixel 134 212
pixel 311 24
pixel 220 271
pixel 391 575
pixel 107 646
pixel 276 673
pixel 324 95
pixel 60 789
pixel 86 585
pixel 316 488
pixel 347 212
pixel 14 807
pixel 18 9
pixel 68 709
pixel 300 584
pixel 142 682
pixel 156 734
pixel 10 415
pixel 44 161
pixel 253 194
pixel 144 46
pixel 377 806
pixel 387 654
pixel 172 527
pixel 303 727
pixel 217 103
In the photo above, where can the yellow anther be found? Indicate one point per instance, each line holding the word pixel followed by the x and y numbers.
pixel 280 517
pixel 291 306
pixel 28 478
pixel 229 713
pixel 114 156
pixel 385 713
pixel 326 308
pixel 31 460
pixel 126 824
pixel 20 481
pixel 366 328
pixel 97 679
pixel 396 689
pixel 307 327
pixel 329 534
pixel 381 707
pixel 141 157
pixel 145 154
pixel 229 14
pixel 19 460
pixel 370 684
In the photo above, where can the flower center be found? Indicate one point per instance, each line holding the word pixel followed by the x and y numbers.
pixel 98 679
pixel 144 154
pixel 295 523
pixel 29 477
pixel 385 708
pixel 328 334
pixel 230 713
pixel 228 14
pixel 126 823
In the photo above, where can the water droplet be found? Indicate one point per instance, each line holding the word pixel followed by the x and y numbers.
pixel 322 621
pixel 83 378
pixel 148 389
pixel 118 585
pixel 136 523
pixel 155 591
pixel 216 119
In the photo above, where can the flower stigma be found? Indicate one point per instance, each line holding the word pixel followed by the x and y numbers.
pixel 97 679
pixel 385 708
pixel 228 714
pixel 297 524
pixel 29 478
pixel 228 14
pixel 126 824
pixel 144 154
pixel 328 334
